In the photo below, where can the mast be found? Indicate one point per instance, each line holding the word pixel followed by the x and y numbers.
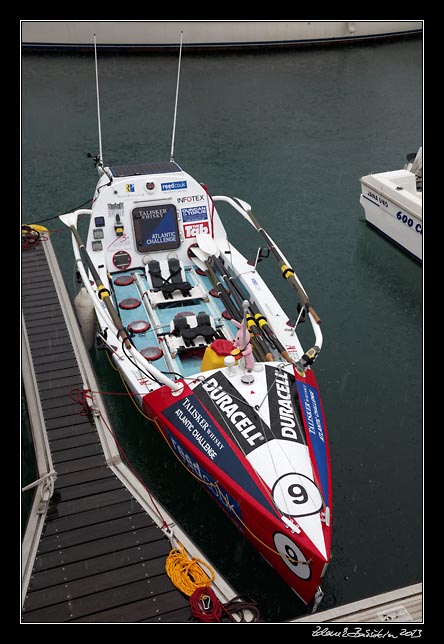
pixel 177 96
pixel 100 162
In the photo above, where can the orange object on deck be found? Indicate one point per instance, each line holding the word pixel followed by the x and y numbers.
pixel 216 353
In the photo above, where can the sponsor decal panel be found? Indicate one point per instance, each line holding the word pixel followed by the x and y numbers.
pixel 281 396
pixel 222 497
pixel 156 227
pixel 190 417
pixel 196 213
pixel 312 412
pixel 164 231
pixel 237 417
pixel 190 198
pixel 191 230
pixel 174 185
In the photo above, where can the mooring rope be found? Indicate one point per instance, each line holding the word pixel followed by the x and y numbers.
pixel 187 574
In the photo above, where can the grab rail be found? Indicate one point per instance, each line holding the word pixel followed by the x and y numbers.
pixel 244 209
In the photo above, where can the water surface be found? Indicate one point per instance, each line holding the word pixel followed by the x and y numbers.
pixel 291 132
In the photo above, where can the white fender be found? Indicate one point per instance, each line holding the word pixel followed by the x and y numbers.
pixel 84 309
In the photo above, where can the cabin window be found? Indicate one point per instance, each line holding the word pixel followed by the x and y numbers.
pixel 156 228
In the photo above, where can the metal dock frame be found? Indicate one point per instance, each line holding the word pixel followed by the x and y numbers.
pixel 94 551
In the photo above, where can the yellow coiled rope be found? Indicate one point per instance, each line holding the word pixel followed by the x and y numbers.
pixel 187 574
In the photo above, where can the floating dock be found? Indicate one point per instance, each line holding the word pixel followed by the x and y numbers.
pixel 96 542
pixel 403 605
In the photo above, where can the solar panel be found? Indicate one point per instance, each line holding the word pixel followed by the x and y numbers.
pixel 130 170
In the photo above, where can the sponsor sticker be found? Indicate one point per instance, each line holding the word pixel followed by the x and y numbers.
pixel 130 187
pixel 222 497
pixel 191 230
pixel 190 198
pixel 174 185
pixel 281 393
pixel 197 213
pixel 156 227
pixel 311 409
pixel 244 424
pixel 190 418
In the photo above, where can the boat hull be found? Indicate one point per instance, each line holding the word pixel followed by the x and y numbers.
pixel 223 464
pixel 212 358
pixel 401 222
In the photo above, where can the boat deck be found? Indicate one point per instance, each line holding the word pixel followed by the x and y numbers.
pixel 161 316
pixel 101 554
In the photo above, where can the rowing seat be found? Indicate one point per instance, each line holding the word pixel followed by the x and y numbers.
pixel 174 282
pixel 189 334
pixel 156 275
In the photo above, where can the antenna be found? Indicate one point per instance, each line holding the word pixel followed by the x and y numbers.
pixel 177 95
pixel 98 105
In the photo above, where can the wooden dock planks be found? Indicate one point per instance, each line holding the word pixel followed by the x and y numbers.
pixel 101 558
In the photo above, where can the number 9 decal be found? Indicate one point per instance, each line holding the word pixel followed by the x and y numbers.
pixel 295 495
pixel 292 556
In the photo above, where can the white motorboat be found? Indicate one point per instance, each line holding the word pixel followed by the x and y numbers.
pixel 392 203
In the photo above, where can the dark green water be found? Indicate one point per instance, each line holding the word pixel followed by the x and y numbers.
pixel 291 132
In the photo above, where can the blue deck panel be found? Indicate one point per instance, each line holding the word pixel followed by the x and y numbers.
pixel 187 363
pixel 140 340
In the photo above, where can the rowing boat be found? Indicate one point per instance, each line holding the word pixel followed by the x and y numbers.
pixel 211 357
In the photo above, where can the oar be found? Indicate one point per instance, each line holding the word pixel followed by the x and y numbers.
pixel 198 257
pixel 260 319
pixel 201 260
pixel 287 271
pixel 70 220
pixel 209 248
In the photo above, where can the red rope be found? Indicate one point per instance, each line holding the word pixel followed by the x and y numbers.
pixel 93 391
pixel 205 606
pixel 82 399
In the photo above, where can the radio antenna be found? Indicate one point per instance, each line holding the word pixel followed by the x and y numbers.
pixel 98 105
pixel 177 95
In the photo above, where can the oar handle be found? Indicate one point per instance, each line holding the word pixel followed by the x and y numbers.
pixel 253 323
pixel 252 326
pixel 236 313
pixel 316 317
